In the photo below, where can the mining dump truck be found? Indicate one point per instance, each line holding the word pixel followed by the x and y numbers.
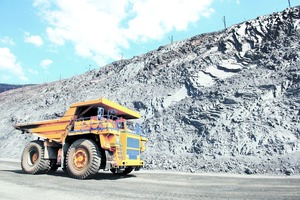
pixel 92 135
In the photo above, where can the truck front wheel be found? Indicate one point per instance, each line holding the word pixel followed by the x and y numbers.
pixel 32 161
pixel 83 159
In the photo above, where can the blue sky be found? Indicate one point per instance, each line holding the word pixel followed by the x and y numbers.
pixel 47 40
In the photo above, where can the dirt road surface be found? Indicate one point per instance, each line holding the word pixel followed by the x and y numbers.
pixel 14 184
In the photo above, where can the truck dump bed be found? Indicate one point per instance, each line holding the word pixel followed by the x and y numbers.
pixel 57 129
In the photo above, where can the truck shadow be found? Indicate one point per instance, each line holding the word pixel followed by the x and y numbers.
pixel 60 173
pixel 108 176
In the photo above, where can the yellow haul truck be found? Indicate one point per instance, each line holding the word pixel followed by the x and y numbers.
pixel 92 135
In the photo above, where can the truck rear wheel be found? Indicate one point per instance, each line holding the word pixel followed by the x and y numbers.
pixel 53 167
pixel 32 161
pixel 83 159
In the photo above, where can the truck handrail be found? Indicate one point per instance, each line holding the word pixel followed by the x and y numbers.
pixel 93 123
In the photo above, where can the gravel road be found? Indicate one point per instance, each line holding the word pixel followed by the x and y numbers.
pixel 14 184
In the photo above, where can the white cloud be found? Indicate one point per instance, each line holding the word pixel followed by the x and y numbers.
pixel 41 3
pixel 155 18
pixel 6 40
pixel 45 63
pixel 238 2
pixel 34 39
pixel 9 64
pixel 99 29
pixel 33 71
pixel 5 78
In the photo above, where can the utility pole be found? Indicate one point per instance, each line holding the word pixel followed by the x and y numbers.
pixel 224 22
pixel 289 3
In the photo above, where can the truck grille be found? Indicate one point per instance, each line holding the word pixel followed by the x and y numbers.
pixel 133 148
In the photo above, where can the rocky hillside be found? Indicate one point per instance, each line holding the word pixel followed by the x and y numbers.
pixel 226 101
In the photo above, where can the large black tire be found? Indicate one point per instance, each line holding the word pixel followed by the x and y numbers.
pixel 64 168
pixel 83 159
pixel 125 172
pixel 53 167
pixel 32 161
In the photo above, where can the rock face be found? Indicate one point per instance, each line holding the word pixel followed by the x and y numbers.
pixel 227 101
